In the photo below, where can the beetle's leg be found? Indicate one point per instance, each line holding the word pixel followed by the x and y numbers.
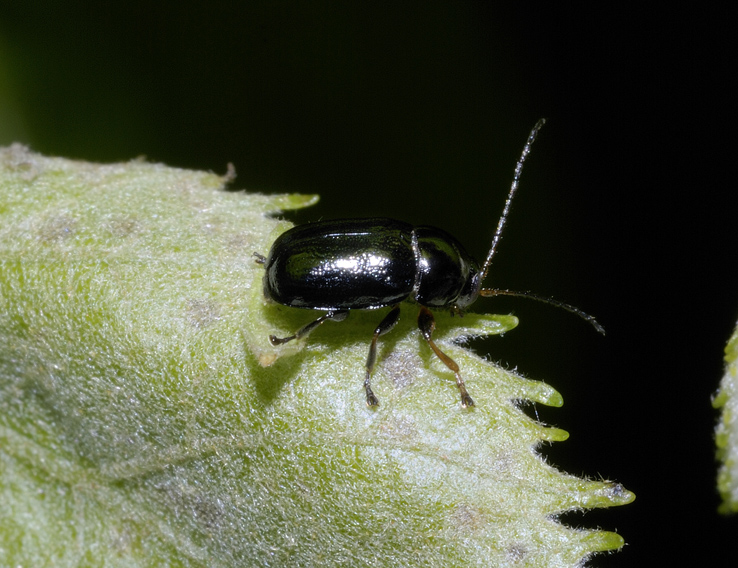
pixel 384 326
pixel 427 324
pixel 338 315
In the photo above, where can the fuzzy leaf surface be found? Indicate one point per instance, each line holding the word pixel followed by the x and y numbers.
pixel 146 420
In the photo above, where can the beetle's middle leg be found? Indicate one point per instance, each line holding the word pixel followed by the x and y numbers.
pixel 338 315
pixel 427 324
pixel 384 326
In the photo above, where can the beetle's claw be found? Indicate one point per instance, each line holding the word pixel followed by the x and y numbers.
pixel 274 340
pixel 371 400
pixel 466 401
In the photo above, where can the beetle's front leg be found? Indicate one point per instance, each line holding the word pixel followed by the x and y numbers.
pixel 338 315
pixel 427 324
pixel 384 326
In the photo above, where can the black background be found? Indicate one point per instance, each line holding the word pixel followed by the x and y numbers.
pixel 419 111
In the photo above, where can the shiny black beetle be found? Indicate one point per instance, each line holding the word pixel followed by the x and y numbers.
pixel 365 264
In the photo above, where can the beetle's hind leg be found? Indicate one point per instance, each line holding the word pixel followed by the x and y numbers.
pixel 384 326
pixel 427 324
pixel 338 315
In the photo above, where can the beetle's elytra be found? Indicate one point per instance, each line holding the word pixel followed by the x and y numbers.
pixel 364 264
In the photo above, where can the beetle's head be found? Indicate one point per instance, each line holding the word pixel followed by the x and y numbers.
pixel 470 291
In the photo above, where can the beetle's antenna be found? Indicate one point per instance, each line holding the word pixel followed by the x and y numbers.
pixel 488 292
pixel 510 195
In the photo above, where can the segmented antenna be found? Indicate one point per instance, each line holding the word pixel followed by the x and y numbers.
pixel 489 292
pixel 510 195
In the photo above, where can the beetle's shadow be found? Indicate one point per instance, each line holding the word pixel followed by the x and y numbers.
pixel 363 324
pixel 358 329
pixel 269 381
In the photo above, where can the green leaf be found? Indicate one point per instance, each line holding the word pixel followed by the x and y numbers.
pixel 726 435
pixel 145 419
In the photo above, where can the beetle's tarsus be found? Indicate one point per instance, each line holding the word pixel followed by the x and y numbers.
pixel 371 400
pixel 466 400
pixel 427 324
pixel 336 315
pixel 274 340
pixel 388 322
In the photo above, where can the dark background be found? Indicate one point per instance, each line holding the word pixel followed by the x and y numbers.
pixel 419 111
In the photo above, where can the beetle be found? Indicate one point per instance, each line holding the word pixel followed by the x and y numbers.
pixel 364 264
